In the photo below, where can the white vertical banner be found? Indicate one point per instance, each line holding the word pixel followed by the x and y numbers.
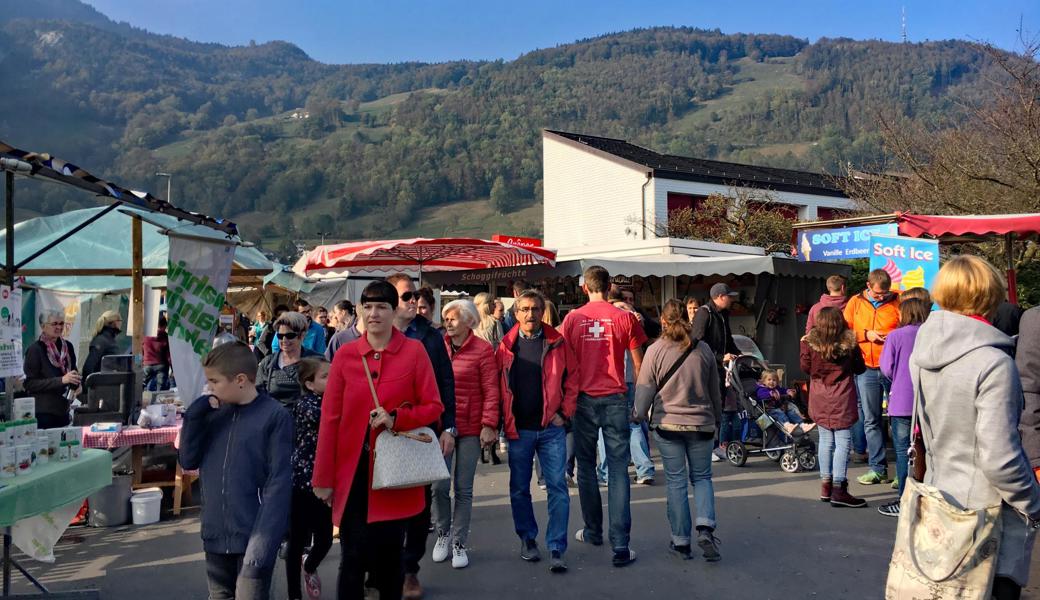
pixel 196 283
pixel 10 331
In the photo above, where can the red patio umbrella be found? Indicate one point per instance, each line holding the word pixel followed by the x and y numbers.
pixel 421 254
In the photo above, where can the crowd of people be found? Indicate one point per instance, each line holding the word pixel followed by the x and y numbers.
pixel 289 429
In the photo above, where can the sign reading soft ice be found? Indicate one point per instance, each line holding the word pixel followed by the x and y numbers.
pixel 910 262
pixel 844 243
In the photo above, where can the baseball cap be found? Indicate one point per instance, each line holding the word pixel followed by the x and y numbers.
pixel 721 289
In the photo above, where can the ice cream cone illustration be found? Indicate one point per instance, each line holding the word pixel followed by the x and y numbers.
pixel 806 247
pixel 894 272
pixel 913 278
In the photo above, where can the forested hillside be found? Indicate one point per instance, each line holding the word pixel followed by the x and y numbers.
pixel 258 132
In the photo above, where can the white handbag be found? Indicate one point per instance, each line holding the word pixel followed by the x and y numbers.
pixel 405 459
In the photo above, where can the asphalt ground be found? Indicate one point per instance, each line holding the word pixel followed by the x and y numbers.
pixel 778 542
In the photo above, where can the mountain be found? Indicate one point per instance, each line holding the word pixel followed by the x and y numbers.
pixel 259 132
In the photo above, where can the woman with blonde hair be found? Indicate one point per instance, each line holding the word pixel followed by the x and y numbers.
pixel 968 399
pixel 489 329
pixel 103 343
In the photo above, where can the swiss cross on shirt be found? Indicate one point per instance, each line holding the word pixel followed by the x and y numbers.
pixel 595 328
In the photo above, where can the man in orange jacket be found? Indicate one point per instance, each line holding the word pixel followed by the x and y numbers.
pixel 871 315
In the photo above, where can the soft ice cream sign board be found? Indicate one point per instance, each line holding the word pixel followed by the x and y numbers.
pixel 830 245
pixel 910 262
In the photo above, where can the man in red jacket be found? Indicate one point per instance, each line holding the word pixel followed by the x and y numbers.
pixel 539 383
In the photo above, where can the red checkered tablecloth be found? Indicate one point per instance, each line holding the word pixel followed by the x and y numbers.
pixel 131 436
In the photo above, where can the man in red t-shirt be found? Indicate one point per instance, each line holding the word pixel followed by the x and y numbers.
pixel 599 334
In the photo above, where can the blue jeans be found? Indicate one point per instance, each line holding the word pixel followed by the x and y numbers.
pixel 791 415
pixel 901 441
pixel 871 386
pixel 732 429
pixel 834 453
pixel 157 378
pixel 637 441
pixel 611 414
pixel 550 444
pixel 687 457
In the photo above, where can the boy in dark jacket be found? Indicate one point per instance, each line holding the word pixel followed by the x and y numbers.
pixel 241 442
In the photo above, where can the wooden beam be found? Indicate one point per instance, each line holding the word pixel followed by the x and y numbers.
pixel 102 272
pixel 137 288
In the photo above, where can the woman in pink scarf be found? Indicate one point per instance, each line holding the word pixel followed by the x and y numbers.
pixel 50 372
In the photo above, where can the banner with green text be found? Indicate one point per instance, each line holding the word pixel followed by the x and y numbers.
pixel 196 283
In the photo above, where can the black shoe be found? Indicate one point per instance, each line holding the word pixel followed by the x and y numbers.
pixel 495 460
pixel 709 545
pixel 529 551
pixel 890 510
pixel 556 563
pixel 682 552
pixel 623 558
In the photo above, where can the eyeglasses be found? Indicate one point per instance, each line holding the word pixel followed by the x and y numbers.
pixel 291 335
pixel 409 296
pixel 57 324
pixel 529 309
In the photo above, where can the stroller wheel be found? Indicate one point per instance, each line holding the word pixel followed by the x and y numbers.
pixel 736 454
pixel 774 455
pixel 807 459
pixel 789 462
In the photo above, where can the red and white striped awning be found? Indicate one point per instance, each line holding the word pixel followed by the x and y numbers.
pixel 419 254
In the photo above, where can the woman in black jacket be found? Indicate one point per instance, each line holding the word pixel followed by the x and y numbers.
pixel 108 326
pixel 50 371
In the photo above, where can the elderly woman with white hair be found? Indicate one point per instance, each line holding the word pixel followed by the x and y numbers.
pixel 476 418
pixel 50 371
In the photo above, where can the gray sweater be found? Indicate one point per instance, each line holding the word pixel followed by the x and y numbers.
pixel 691 398
pixel 970 398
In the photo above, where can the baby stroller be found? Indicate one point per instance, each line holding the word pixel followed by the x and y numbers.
pixel 761 434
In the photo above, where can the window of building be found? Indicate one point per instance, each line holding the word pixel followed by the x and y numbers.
pixel 787 211
pixel 825 213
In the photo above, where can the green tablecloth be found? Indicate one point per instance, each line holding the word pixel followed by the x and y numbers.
pixel 53 485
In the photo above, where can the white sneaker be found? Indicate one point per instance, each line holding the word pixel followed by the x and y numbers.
pixel 441 549
pixel 459 559
pixel 715 457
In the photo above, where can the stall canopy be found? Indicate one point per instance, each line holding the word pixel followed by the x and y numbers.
pixel 422 254
pixel 102 250
pixel 666 265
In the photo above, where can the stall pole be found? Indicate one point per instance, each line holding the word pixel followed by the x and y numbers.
pixel 10 382
pixel 1012 281
pixel 137 306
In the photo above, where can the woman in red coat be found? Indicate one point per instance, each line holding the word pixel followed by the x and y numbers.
pixel 476 418
pixel 372 522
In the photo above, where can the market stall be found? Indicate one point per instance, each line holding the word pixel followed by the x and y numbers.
pixel 775 292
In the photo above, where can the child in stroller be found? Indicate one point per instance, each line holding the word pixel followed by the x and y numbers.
pixel 762 433
pixel 777 403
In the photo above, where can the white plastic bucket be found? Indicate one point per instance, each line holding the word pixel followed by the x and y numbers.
pixel 145 504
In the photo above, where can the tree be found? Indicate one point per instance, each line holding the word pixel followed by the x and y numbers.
pixel 501 197
pixel 743 217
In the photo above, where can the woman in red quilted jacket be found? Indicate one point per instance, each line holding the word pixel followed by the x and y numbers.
pixel 476 418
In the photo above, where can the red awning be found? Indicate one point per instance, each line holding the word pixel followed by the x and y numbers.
pixel 936 226
pixel 422 254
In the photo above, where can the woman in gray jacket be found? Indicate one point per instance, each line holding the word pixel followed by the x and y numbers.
pixel 970 401
pixel 679 379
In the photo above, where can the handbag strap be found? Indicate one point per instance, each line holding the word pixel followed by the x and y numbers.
pixel 371 386
pixel 678 363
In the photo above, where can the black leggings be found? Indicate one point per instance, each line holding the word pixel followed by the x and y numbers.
pixel 310 519
pixel 1006 589
pixel 375 547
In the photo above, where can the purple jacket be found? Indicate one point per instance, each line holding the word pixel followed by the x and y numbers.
pixel 895 364
pixel 765 395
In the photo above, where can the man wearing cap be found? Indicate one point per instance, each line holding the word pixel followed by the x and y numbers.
pixel 711 324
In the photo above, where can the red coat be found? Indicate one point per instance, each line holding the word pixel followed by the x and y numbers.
pixel 559 378
pixel 832 384
pixel 476 385
pixel 406 387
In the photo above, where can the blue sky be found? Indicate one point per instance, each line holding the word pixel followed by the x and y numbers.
pixel 348 31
